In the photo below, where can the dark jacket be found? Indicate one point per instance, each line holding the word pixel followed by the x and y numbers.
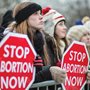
pixel 43 73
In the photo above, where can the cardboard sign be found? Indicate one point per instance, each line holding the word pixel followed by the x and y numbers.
pixel 16 62
pixel 75 62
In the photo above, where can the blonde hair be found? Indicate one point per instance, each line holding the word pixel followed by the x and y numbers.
pixel 85 19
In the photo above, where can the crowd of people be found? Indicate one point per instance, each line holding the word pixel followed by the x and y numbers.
pixel 47 31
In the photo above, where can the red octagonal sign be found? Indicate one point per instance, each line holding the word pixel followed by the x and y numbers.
pixel 75 62
pixel 16 62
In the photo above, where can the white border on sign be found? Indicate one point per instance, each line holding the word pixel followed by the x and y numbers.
pixel 28 87
pixel 17 35
pixel 80 43
pixel 21 36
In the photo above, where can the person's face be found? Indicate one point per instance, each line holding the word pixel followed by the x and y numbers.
pixel 86 38
pixel 36 20
pixel 61 29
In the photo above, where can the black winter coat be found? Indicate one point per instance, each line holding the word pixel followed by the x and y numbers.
pixel 43 73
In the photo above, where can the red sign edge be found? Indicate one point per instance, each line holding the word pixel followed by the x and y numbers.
pixel 74 42
pixel 21 36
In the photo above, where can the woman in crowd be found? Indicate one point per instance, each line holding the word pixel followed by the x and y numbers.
pixel 56 28
pixel 55 32
pixel 82 34
pixel 29 21
pixel 79 33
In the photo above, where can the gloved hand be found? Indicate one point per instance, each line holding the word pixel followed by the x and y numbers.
pixel 58 74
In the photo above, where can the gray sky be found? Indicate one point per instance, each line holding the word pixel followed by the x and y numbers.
pixel 71 9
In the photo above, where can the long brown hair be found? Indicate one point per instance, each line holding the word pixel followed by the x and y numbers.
pixel 58 44
pixel 23 29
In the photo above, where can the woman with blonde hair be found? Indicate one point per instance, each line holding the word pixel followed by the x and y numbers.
pixel 79 33
pixel 56 28
pixel 82 34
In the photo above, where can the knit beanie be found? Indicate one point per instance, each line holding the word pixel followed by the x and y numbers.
pixel 76 32
pixel 51 18
pixel 24 13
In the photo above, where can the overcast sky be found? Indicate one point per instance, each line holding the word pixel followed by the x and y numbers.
pixel 71 9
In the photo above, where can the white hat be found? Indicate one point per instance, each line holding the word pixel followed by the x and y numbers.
pixel 76 32
pixel 51 18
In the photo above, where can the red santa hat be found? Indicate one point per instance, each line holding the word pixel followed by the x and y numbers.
pixel 51 18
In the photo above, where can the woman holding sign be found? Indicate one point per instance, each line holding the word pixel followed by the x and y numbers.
pixel 82 34
pixel 29 21
pixel 56 31
pixel 79 33
pixel 56 28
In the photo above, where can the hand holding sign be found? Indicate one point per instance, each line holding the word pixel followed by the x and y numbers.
pixel 75 62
